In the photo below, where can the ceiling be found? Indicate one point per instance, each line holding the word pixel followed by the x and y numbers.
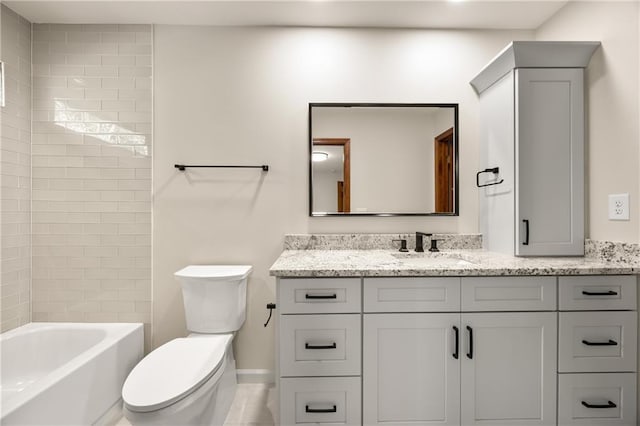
pixel 501 14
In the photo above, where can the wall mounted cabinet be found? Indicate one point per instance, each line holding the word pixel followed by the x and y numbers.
pixel 532 130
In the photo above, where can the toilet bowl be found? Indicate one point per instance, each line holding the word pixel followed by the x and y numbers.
pixel 192 380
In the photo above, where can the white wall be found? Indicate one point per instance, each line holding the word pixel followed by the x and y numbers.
pixel 15 171
pixel 240 96
pixel 613 138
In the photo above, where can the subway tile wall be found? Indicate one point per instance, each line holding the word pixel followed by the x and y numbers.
pixel 92 173
pixel 15 171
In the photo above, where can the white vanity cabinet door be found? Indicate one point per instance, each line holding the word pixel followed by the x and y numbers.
pixel 597 399
pixel 509 294
pixel 597 292
pixel 319 295
pixel 320 400
pixel 598 341
pixel 509 368
pixel 549 161
pixel 412 294
pixel 320 345
pixel 410 373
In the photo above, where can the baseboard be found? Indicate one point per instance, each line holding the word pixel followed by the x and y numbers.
pixel 112 416
pixel 255 376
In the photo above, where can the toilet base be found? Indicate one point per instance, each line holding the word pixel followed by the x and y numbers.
pixel 226 392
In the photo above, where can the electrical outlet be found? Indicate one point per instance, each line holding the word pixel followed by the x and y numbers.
pixel 618 206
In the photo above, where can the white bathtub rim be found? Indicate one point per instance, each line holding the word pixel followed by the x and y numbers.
pixel 113 329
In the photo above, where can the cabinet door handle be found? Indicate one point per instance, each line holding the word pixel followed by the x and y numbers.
pixel 609 404
pixel 320 410
pixel 321 296
pixel 457 342
pixel 526 232
pixel 470 353
pixel 609 343
pixel 600 293
pixel 331 346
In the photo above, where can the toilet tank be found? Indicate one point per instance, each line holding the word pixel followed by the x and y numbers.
pixel 215 297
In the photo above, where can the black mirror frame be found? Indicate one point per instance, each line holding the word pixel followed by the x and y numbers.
pixel 456 196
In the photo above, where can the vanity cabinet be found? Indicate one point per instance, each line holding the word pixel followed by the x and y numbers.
pixel 411 371
pixel 319 352
pixel 532 131
pixel 466 367
pixel 457 350
pixel 597 355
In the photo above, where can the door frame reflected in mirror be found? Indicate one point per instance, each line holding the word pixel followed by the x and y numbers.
pixel 343 190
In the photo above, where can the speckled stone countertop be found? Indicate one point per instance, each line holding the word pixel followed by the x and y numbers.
pixel 390 263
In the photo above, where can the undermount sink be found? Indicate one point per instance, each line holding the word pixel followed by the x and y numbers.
pixel 430 259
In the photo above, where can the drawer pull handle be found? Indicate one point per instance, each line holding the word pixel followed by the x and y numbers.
pixel 331 346
pixel 320 410
pixel 321 296
pixel 608 405
pixel 470 353
pixel 457 338
pixel 609 343
pixel 600 293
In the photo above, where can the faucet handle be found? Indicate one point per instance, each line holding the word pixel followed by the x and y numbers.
pixel 434 245
pixel 403 244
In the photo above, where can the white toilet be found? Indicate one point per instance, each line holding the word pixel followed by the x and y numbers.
pixel 192 380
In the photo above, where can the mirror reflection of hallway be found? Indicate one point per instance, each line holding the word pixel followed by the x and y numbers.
pixel 392 158
pixel 332 175
pixel 444 171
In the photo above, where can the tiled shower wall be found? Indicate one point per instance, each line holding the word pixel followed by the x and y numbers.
pixel 92 173
pixel 15 170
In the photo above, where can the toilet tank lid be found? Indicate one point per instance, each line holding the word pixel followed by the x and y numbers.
pixel 215 272
pixel 173 371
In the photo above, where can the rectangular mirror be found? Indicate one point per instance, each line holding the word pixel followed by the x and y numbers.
pixel 383 159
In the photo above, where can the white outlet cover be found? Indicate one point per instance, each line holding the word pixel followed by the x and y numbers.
pixel 618 206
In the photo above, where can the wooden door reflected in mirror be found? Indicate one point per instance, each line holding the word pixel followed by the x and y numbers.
pixel 444 171
pixel 332 174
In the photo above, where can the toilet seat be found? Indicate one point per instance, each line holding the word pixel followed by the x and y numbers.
pixel 173 371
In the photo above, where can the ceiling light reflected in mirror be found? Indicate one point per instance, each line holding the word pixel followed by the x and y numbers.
pixel 318 156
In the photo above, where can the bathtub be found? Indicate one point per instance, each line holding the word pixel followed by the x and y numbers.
pixel 66 373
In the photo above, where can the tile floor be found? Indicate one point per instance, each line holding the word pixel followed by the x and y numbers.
pixel 252 406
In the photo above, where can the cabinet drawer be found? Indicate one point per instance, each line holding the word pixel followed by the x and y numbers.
pixel 600 292
pixel 509 294
pixel 320 345
pixel 597 399
pixel 411 294
pixel 597 341
pixel 319 295
pixel 320 400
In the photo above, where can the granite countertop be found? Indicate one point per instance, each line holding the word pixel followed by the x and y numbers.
pixel 390 263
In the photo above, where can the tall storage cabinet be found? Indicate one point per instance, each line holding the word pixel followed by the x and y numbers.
pixel 532 130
